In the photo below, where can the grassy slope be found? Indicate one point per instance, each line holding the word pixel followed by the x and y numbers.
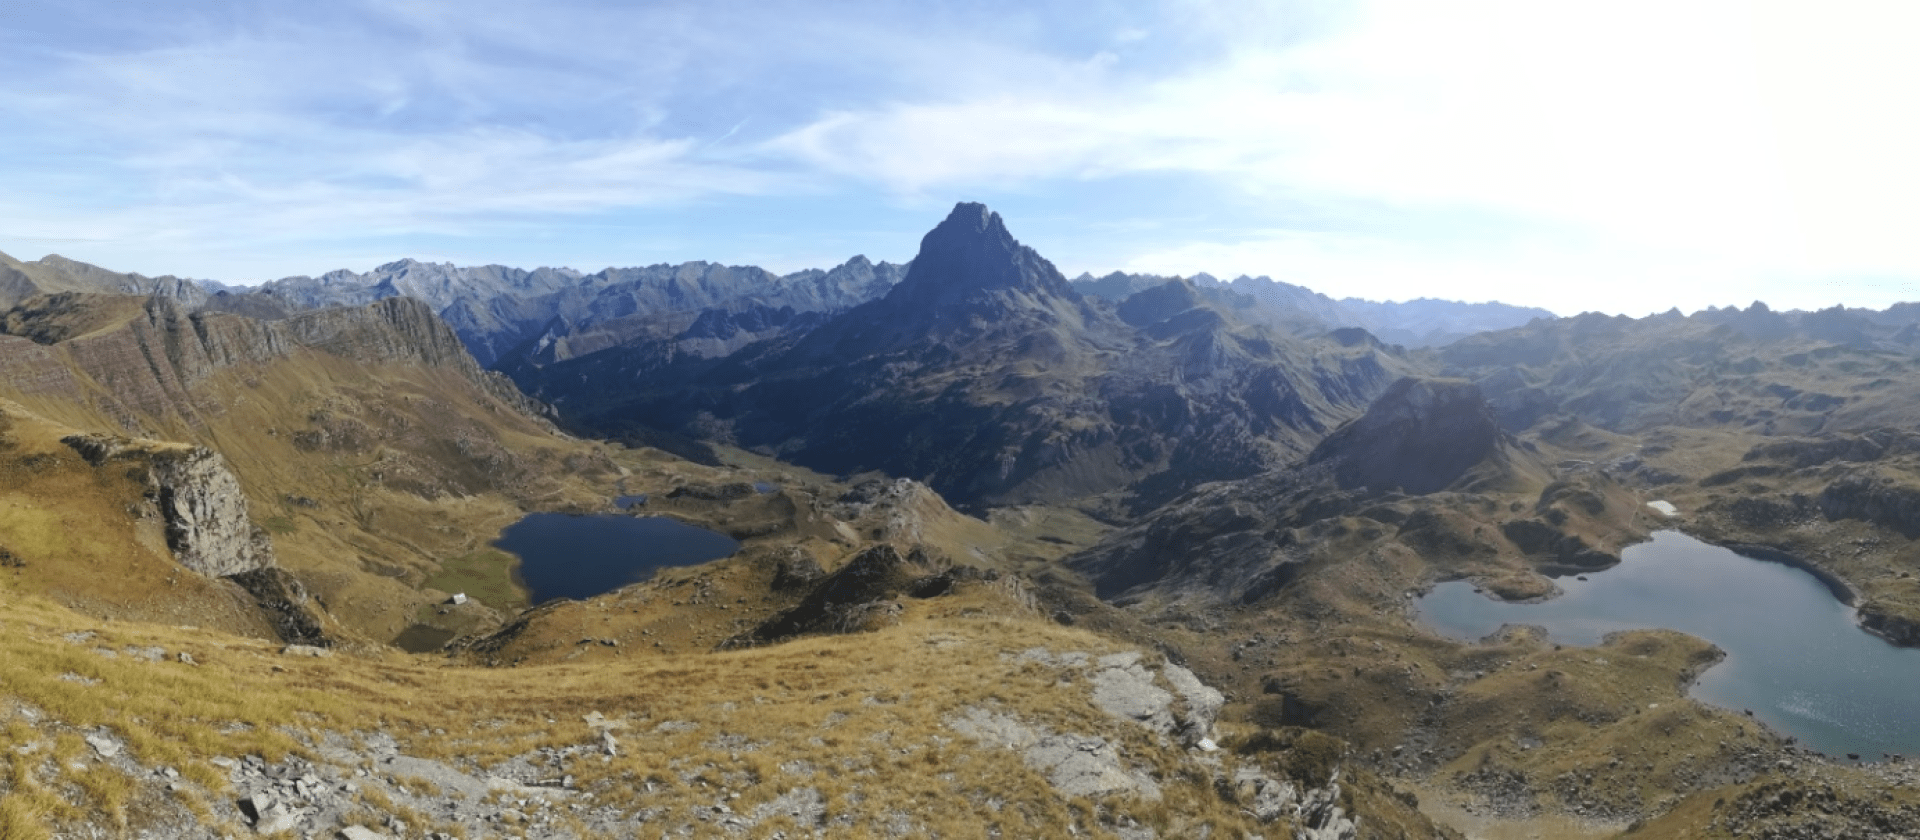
pixel 419 468
pixel 66 524
pixel 882 743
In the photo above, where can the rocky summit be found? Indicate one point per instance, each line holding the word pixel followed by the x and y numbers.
pixel 1012 556
pixel 986 375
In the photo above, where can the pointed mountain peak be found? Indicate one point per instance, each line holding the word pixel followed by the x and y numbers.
pixel 970 220
pixel 972 250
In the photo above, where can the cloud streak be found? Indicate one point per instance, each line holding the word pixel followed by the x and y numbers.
pixel 1465 150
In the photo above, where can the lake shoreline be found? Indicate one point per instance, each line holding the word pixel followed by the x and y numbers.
pixel 1794 650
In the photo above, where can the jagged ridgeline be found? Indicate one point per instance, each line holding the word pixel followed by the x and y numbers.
pixel 984 373
pixel 503 314
pixel 1141 388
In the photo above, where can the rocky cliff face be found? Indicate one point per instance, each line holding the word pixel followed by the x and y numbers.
pixel 197 496
pixel 147 356
pixel 207 524
pixel 208 527
pixel 1879 499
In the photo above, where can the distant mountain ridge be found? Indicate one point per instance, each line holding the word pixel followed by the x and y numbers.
pixel 497 310
pixel 516 317
pixel 1423 322
pixel 1754 369
pixel 54 273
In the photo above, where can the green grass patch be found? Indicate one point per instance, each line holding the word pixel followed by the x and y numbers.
pixel 486 574
pixel 279 526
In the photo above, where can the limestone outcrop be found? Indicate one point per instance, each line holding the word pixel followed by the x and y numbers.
pixel 197 497
pixel 206 514
pixel 1126 687
pixel 208 529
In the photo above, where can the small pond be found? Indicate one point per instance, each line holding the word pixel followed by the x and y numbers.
pixel 422 638
pixel 567 556
pixel 1795 657
pixel 630 502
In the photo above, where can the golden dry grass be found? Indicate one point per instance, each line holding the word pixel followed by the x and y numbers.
pixel 861 719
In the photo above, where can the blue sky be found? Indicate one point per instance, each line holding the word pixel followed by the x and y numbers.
pixel 1621 156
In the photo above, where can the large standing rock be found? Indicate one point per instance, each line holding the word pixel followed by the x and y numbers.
pixel 206 514
pixel 198 497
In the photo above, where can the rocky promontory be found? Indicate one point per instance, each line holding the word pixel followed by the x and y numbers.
pixel 197 496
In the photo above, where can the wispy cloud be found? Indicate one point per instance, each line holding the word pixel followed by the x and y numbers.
pixel 1384 144
pixel 1729 141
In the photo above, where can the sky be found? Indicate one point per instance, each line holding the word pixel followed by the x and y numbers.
pixel 1623 157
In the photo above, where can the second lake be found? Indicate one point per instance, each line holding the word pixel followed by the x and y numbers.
pixel 1795 656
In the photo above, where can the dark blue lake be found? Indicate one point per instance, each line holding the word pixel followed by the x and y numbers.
pixel 567 556
pixel 1795 657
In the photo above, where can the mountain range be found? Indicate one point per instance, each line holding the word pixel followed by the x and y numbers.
pixel 1424 322
pixel 986 374
pixel 1019 555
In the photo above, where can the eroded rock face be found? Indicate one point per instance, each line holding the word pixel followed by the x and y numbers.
pixel 208 528
pixel 198 497
pixel 1076 765
pixel 1126 686
pixel 154 362
pixel 206 513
